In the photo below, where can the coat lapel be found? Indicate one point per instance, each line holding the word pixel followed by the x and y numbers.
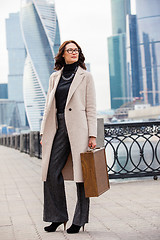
pixel 76 81
pixel 57 78
pixel 52 94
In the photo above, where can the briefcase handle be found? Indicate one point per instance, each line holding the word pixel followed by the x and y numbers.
pixel 92 149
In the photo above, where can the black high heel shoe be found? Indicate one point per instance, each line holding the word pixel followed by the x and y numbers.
pixel 74 229
pixel 54 226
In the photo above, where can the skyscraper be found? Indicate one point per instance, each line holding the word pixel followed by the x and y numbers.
pixel 119 10
pixel 134 74
pixel 148 17
pixel 9 113
pixel 117 53
pixel 143 49
pixel 117 69
pixel 16 59
pixel 3 91
pixel 41 38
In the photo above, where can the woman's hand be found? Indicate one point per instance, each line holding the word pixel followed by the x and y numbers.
pixel 92 142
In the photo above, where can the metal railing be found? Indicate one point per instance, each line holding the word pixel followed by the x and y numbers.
pixel 27 142
pixel 132 149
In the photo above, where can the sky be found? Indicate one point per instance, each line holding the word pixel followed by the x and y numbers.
pixel 88 22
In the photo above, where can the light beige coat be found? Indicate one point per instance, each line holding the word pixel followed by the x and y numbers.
pixel 80 117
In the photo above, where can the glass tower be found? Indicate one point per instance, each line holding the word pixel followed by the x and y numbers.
pixel 117 66
pixel 143 51
pixel 42 40
pixel 119 10
pixel 148 16
pixel 117 53
pixel 3 91
pixel 9 113
pixel 16 59
pixel 134 69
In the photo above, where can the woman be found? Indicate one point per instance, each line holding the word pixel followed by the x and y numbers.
pixel 69 125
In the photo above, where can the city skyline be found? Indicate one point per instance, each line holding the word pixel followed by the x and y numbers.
pixel 133 51
pixel 94 43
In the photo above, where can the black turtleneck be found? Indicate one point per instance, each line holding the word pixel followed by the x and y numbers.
pixel 64 85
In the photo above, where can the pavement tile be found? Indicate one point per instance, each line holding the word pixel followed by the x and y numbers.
pixel 6 232
pixel 128 211
pixel 5 220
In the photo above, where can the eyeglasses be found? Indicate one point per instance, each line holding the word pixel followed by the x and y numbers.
pixel 70 50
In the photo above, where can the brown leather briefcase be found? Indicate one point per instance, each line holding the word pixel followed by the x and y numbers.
pixel 95 174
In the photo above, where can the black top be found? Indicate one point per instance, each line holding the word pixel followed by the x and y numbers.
pixel 62 90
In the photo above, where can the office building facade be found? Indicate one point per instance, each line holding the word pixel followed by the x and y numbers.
pixel 117 53
pixel 119 10
pixel 9 113
pixel 117 69
pixel 143 47
pixel 41 38
pixel 16 59
pixel 148 17
pixel 134 69
pixel 3 91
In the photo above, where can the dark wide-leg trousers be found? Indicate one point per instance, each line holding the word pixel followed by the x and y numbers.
pixel 55 207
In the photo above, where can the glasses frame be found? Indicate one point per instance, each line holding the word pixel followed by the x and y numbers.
pixel 70 50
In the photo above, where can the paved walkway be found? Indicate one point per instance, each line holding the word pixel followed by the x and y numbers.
pixel 128 211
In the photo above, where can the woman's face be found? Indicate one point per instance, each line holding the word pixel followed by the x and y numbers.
pixel 71 53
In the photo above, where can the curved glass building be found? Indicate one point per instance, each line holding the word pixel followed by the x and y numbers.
pixel 41 38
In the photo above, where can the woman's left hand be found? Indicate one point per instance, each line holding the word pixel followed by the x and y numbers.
pixel 92 142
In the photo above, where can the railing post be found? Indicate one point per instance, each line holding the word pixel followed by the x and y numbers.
pixel 32 143
pixel 100 132
pixel 11 141
pixel 3 141
pixel 8 141
pixel 22 142
pixel 16 142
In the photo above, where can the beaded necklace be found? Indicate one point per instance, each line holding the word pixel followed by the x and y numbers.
pixel 72 75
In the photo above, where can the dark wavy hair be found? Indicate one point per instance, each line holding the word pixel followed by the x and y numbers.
pixel 59 60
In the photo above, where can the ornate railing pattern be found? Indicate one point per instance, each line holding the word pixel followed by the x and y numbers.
pixel 133 149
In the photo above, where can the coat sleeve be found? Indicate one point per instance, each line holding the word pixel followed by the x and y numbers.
pixel 46 104
pixel 91 106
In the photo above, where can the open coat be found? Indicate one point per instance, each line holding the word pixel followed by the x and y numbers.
pixel 80 117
